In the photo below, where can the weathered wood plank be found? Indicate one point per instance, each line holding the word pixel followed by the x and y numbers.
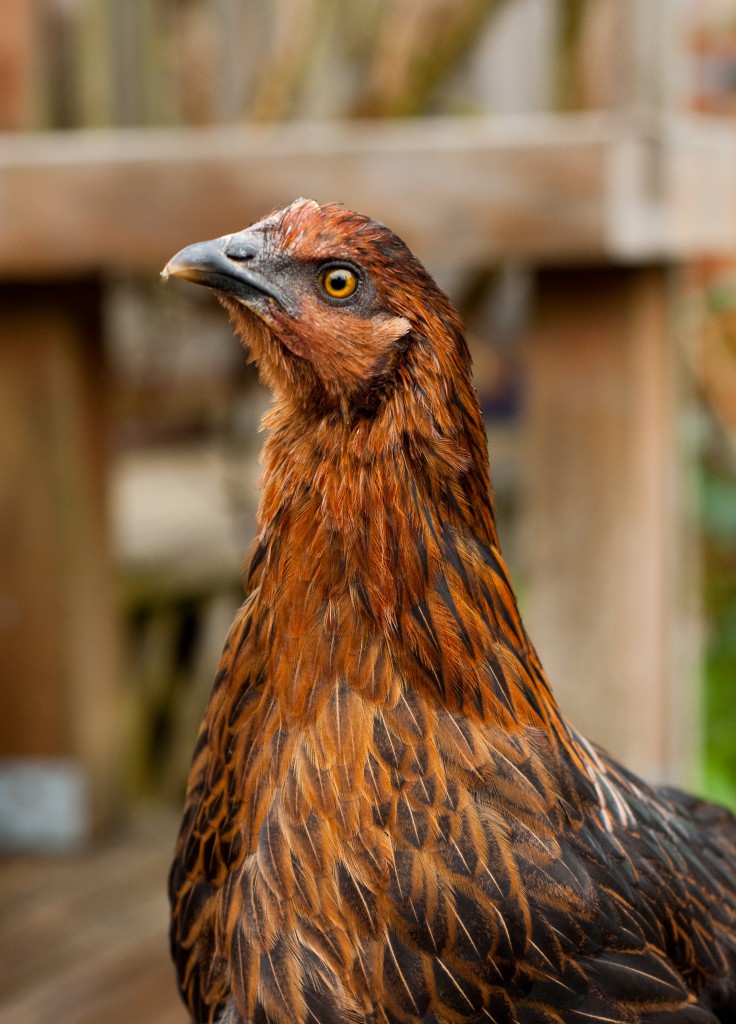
pixel 543 188
pixel 83 939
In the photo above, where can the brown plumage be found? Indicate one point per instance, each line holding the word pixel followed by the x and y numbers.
pixel 388 819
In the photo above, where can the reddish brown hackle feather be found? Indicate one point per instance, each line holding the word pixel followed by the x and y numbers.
pixel 388 819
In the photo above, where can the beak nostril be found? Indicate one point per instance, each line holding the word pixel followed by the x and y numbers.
pixel 242 252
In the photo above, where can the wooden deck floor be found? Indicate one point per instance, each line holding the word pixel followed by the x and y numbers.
pixel 83 939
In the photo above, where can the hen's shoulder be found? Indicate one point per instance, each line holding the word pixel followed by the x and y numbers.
pixel 667 867
pixel 570 886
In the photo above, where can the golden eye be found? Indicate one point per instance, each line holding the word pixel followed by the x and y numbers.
pixel 339 282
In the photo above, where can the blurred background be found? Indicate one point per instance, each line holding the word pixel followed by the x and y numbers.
pixel 567 171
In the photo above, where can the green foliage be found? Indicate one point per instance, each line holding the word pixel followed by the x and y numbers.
pixel 722 297
pixel 718 489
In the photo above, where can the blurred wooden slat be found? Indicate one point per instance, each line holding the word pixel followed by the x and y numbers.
pixel 628 55
pixel 83 939
pixel 543 188
pixel 18 45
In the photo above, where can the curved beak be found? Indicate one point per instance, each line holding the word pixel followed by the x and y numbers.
pixel 232 264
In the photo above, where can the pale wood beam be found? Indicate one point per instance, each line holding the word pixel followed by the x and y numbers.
pixel 542 188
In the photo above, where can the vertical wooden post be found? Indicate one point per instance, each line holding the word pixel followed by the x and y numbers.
pixel 604 544
pixel 59 666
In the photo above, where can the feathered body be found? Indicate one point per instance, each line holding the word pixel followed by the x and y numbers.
pixel 388 819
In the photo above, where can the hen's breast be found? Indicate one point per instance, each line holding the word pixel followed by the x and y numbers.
pixel 397 855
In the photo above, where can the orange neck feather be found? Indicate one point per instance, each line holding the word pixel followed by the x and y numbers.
pixel 377 541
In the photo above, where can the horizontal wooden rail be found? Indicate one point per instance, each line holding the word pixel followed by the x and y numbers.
pixel 552 188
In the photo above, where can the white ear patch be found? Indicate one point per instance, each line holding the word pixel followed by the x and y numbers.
pixel 391 328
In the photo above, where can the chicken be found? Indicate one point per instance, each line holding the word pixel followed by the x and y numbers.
pixel 388 819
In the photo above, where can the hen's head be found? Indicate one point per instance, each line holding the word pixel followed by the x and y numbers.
pixel 327 301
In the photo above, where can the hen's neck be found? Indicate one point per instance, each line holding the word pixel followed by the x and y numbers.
pixel 379 534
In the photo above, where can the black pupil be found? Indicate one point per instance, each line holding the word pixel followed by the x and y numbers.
pixel 338 280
